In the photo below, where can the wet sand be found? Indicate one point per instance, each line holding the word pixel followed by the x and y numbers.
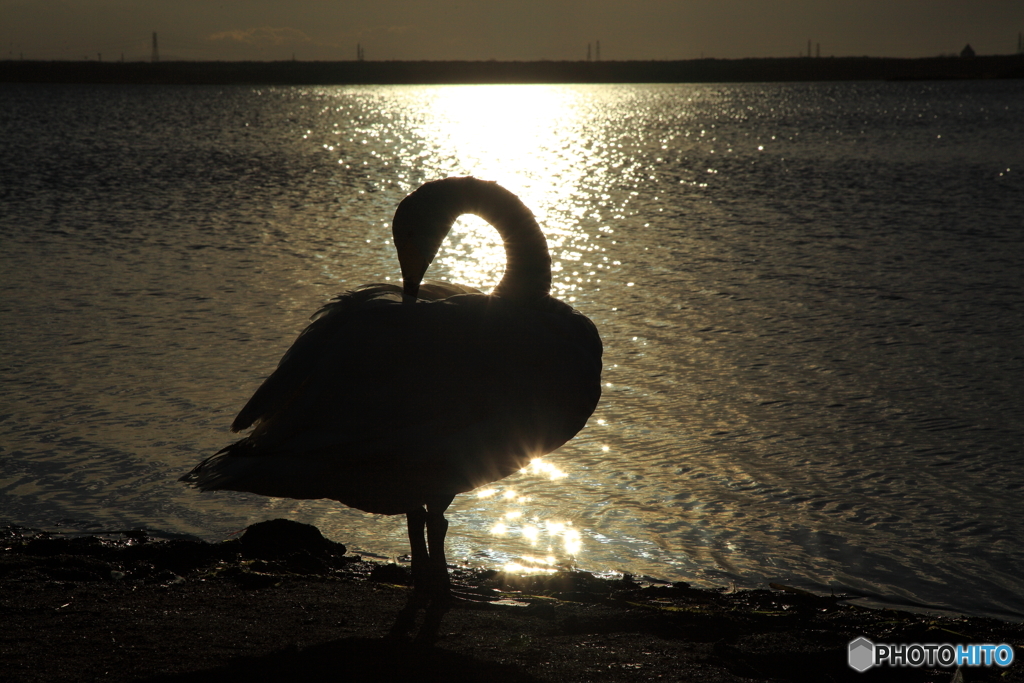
pixel 286 604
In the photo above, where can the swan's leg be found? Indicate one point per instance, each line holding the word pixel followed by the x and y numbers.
pixel 441 597
pixel 437 529
pixel 421 581
pixel 416 521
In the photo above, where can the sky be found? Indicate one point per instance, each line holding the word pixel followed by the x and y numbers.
pixel 503 29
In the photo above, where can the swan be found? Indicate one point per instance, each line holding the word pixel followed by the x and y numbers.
pixel 396 399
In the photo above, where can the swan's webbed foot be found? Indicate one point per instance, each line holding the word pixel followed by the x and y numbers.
pixel 434 605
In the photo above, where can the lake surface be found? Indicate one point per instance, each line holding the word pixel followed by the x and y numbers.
pixel 811 298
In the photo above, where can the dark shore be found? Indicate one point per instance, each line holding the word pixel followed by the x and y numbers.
pixel 287 607
pixel 456 72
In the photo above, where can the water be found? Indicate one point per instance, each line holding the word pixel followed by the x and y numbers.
pixel 810 296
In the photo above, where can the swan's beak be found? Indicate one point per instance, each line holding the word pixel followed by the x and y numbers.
pixel 414 265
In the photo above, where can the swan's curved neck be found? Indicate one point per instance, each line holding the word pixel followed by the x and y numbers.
pixel 424 218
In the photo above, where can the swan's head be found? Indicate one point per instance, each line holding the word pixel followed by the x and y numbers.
pixel 421 223
pixel 416 246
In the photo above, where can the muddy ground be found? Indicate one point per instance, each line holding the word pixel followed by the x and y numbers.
pixel 282 603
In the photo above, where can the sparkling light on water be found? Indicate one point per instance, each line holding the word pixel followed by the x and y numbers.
pixel 809 296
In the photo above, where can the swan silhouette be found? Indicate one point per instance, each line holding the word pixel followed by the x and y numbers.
pixel 393 400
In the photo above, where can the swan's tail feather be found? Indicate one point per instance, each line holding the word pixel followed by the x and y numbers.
pixel 285 476
pixel 219 471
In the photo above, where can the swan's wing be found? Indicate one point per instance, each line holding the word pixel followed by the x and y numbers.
pixel 344 330
pixel 372 371
pixel 298 367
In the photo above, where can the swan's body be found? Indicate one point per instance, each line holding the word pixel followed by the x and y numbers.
pixel 395 400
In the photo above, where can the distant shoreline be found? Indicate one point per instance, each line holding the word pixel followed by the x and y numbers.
pixel 791 69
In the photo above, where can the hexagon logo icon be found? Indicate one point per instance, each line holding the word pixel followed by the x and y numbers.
pixel 861 654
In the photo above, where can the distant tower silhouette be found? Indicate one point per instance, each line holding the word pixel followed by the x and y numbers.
pixel 360 55
pixel 156 50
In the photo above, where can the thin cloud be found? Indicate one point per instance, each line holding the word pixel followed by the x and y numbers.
pixel 265 35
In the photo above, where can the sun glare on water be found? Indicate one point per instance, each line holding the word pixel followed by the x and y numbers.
pixel 528 138
pixel 558 541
